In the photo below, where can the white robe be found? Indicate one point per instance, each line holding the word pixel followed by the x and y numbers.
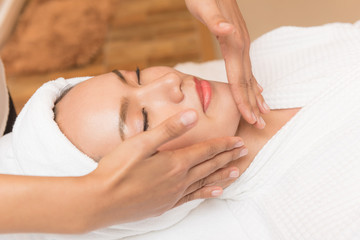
pixel 305 182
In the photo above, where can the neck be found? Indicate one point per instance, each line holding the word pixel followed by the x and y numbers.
pixel 255 139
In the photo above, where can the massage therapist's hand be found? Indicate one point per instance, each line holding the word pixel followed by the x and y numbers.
pixel 140 182
pixel 224 20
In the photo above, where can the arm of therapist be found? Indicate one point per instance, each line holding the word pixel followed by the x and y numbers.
pixel 224 20
pixel 131 183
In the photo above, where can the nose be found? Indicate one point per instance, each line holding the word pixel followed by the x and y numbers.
pixel 164 88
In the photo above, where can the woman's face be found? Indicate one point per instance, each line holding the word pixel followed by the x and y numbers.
pixel 98 114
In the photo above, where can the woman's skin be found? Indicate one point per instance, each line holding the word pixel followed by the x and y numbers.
pixel 90 119
pixel 255 138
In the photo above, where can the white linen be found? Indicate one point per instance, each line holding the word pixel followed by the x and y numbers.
pixel 4 100
pixel 304 183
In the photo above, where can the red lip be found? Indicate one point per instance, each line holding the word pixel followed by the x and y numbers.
pixel 204 91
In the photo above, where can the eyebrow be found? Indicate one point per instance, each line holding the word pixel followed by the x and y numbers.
pixel 121 77
pixel 123 106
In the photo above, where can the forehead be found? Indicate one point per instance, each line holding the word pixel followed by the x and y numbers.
pixel 89 114
pixel 100 92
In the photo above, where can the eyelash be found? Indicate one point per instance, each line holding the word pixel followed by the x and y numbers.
pixel 138 75
pixel 145 116
pixel 143 111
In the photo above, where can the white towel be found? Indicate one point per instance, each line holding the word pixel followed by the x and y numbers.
pixel 286 62
pixel 39 146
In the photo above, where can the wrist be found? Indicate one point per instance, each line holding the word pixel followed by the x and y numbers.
pixel 84 205
pixel 92 197
pixel 105 202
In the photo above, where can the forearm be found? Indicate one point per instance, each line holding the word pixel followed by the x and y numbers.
pixel 45 204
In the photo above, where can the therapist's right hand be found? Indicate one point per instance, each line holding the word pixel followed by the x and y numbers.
pixel 138 182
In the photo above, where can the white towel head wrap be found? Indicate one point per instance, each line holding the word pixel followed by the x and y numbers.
pixel 39 145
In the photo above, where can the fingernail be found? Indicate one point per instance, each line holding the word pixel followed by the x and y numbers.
pixel 216 193
pixel 188 118
pixel 238 144
pixel 234 174
pixel 262 122
pixel 225 25
pixel 266 106
pixel 243 152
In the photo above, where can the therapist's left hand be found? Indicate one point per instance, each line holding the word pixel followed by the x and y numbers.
pixel 224 20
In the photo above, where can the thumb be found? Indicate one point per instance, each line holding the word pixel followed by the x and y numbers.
pixel 175 126
pixel 212 17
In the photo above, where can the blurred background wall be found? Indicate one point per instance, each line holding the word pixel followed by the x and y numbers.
pixel 263 15
pixel 67 38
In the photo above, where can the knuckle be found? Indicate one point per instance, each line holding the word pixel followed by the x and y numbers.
pixel 178 170
pixel 171 129
pixel 211 151
pixel 241 84
pixel 201 183
pixel 181 167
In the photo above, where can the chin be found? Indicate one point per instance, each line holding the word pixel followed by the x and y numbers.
pixel 224 110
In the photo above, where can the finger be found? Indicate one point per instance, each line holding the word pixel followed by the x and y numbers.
pixel 264 108
pixel 210 15
pixel 203 193
pixel 205 169
pixel 253 98
pixel 253 90
pixel 220 176
pixel 260 123
pixel 233 50
pixel 239 85
pixel 148 142
pixel 201 152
